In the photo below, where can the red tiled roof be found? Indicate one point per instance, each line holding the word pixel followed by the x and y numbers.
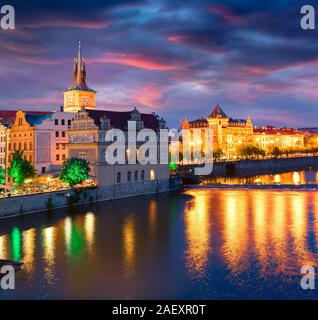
pixel 274 130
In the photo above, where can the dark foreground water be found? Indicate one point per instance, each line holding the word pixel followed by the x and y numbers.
pixel 196 244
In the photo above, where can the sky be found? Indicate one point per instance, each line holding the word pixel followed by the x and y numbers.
pixel 173 57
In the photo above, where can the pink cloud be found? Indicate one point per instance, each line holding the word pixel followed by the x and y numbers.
pixel 38 101
pixel 226 13
pixel 136 61
pixel 148 95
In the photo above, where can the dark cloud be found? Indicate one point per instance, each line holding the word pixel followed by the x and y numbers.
pixel 173 57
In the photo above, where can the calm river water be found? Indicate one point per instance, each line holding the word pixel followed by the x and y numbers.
pixel 194 244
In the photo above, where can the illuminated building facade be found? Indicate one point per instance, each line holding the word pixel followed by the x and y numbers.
pixel 6 117
pixel 42 136
pixel 87 140
pixel 228 133
pixel 270 137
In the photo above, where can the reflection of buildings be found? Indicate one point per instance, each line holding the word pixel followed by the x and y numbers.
pixel 230 134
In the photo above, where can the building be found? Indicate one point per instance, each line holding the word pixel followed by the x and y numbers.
pixel 87 140
pixel 42 136
pixel 79 95
pixel 6 118
pixel 269 137
pixel 228 133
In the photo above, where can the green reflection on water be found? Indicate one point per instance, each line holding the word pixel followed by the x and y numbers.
pixel 74 237
pixel 16 244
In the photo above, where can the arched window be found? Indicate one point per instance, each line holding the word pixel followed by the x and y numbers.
pixel 118 177
pixel 14 147
pixel 30 145
pixel 9 146
pixel 129 176
pixel 136 176
pixel 25 146
pixel 20 146
pixel 142 175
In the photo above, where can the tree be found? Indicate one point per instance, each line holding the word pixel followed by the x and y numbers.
pixel 20 169
pixel 218 154
pixel 276 152
pixel 250 151
pixel 74 171
pixel 2 177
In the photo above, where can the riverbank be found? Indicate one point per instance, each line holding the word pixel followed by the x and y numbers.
pixel 35 203
pixel 285 187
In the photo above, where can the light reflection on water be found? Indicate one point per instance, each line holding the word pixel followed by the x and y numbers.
pixel 292 178
pixel 194 244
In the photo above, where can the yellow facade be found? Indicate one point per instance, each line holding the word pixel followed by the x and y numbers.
pixel 20 136
pixel 75 100
pixel 230 134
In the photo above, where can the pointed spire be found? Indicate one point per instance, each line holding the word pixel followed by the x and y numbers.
pixel 217 113
pixel 185 123
pixel 79 76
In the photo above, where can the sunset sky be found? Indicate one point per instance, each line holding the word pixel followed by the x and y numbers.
pixel 176 58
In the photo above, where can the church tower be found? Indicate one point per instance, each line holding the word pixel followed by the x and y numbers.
pixel 79 95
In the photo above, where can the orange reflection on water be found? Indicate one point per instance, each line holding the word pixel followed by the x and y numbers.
pixel 49 238
pixel 89 226
pixel 259 199
pixel 197 233
pixel 152 216
pixel 28 239
pixel 129 243
pixel 3 247
pixel 235 229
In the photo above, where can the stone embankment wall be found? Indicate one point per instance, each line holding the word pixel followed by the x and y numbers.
pixel 19 205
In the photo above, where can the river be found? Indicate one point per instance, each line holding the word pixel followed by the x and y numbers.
pixel 193 244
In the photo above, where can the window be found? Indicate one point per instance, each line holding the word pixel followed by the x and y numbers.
pixel 9 146
pixel 63 157
pixel 69 122
pixel 57 134
pixel 136 176
pixel 82 155
pixel 57 146
pixel 56 122
pixel 63 134
pixel 63 146
pixel 43 169
pixel 118 177
pixel 30 145
pixel 30 158
pixel 142 175
pixel 57 157
pixel 25 146
pixel 129 176
pixel 152 174
pixel 63 122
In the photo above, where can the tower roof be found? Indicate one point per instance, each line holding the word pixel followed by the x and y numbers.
pixel 79 75
pixel 217 113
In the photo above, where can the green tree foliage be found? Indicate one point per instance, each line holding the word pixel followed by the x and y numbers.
pixel 2 177
pixel 248 151
pixel 74 171
pixel 20 169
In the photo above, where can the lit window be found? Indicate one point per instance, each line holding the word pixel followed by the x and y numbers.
pixel 152 174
